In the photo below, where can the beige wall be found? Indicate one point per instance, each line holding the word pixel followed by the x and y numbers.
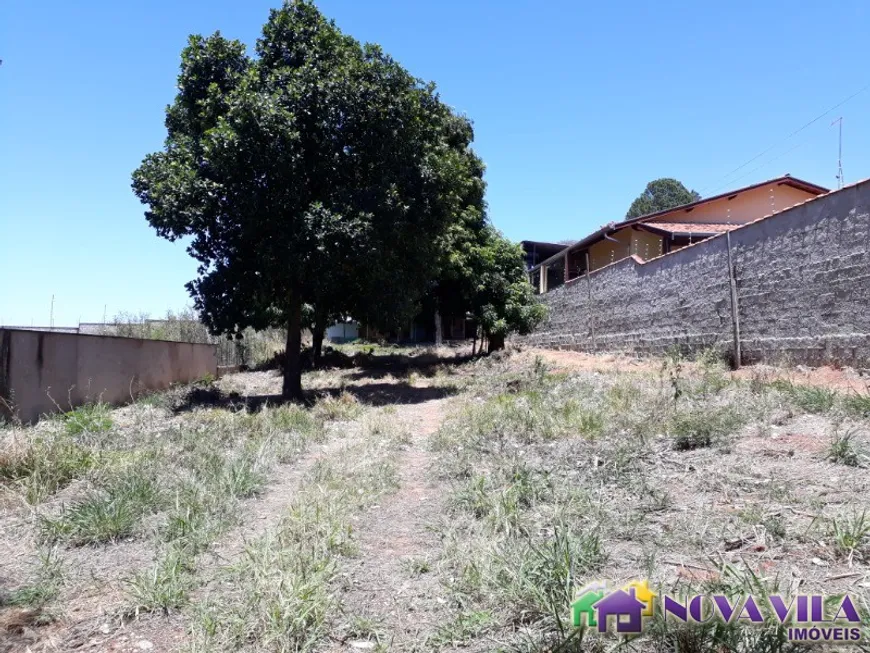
pixel 646 245
pixel 629 242
pixel 745 207
pixel 43 372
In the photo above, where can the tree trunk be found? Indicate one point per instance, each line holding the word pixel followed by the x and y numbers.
pixel 292 388
pixel 439 336
pixel 495 343
pixel 317 335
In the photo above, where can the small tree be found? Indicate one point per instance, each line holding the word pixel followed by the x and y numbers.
pixel 504 301
pixel 485 274
pixel 660 195
pixel 320 172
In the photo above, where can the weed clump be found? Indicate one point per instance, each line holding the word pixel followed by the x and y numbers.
pixel 844 450
pixel 45 465
pixel 857 405
pixel 43 588
pixel 810 399
pixel 702 426
pixel 104 516
pixel 343 408
pixel 850 534
pixel 164 587
pixel 89 418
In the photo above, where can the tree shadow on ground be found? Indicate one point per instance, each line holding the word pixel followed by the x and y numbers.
pixel 385 394
pixel 370 394
pixel 371 365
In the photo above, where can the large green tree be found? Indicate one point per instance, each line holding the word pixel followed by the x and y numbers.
pixel 319 171
pixel 659 195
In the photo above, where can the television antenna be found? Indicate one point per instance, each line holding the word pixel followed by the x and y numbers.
pixel 840 154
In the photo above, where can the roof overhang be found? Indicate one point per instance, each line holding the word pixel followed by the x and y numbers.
pixel 696 233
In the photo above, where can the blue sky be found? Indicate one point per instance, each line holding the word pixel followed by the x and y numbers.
pixel 576 106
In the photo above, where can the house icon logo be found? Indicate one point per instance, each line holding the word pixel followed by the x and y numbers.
pixel 624 609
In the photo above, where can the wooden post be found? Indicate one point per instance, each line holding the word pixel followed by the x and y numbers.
pixel 735 310
pixel 567 256
pixel 589 301
pixel 543 279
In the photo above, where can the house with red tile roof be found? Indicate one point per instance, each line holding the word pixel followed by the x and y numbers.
pixel 656 234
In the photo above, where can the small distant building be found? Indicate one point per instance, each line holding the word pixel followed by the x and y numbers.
pixel 656 234
pixel 343 331
pixel 537 252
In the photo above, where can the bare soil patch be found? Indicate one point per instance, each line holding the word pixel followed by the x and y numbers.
pixel 844 379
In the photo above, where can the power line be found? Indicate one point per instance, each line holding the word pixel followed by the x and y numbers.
pixel 778 143
pixel 759 167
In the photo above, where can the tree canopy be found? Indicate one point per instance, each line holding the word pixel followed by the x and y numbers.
pixel 318 172
pixel 485 275
pixel 659 195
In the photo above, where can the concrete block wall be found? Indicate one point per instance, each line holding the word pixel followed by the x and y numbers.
pixel 802 292
pixel 44 372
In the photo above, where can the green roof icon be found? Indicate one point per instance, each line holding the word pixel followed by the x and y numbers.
pixel 589 595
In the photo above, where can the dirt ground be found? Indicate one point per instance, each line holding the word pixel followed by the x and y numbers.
pixel 766 499
pixel 844 379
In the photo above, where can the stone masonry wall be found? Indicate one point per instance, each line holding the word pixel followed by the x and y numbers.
pixel 802 292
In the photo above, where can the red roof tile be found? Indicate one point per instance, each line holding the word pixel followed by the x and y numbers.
pixel 690 227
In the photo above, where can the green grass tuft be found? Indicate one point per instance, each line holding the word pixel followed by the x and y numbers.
pixel 461 630
pixel 164 587
pixel 810 399
pixel 45 465
pixel 90 418
pixel 850 533
pixel 844 450
pixel 44 588
pixel 857 405
pixel 104 516
pixel 703 426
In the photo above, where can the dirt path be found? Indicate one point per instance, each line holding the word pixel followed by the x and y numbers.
pixel 392 598
pixel 263 512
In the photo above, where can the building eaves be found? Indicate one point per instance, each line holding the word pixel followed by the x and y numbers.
pixel 687 228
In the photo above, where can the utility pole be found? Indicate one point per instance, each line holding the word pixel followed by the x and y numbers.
pixel 840 154
pixel 51 315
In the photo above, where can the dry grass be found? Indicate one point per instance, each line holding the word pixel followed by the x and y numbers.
pixel 213 521
pixel 143 481
pixel 562 478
